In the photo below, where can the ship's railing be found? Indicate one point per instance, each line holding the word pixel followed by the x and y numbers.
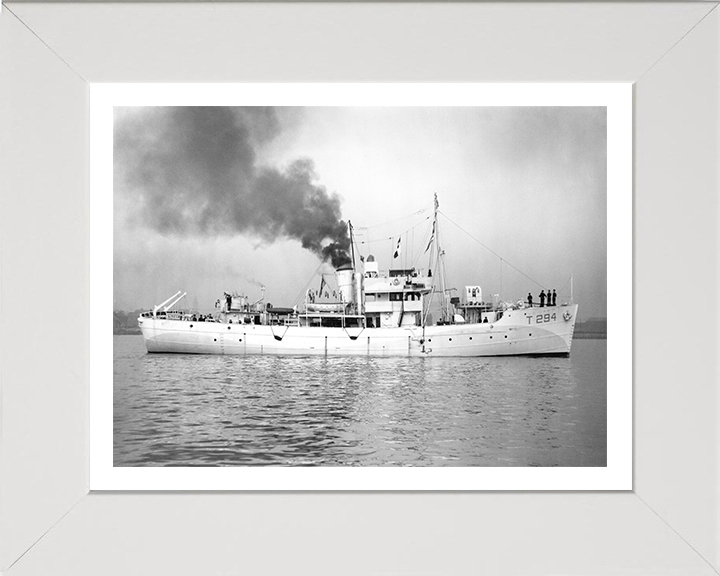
pixel 332 320
pixel 179 316
pixel 490 306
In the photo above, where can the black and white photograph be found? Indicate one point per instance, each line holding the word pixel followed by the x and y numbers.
pixel 360 286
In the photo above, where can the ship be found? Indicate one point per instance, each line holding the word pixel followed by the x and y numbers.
pixel 374 313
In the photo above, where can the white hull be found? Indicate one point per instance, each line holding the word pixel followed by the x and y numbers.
pixel 533 331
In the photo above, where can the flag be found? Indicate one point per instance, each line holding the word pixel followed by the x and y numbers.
pixel 397 249
pixel 432 237
pixel 322 283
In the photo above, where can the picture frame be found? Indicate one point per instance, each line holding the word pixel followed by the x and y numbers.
pixel 614 473
pixel 667 524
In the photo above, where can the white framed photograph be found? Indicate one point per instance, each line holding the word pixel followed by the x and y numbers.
pixel 53 517
pixel 387 350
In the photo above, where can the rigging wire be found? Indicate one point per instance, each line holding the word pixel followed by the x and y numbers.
pixel 502 260
pixel 416 213
pixel 564 285
pixel 386 238
pixel 301 297
pixel 408 251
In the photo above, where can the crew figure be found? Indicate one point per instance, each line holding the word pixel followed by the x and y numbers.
pixel 554 297
pixel 529 300
pixel 542 298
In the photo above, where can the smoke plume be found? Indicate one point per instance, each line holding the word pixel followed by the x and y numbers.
pixel 194 171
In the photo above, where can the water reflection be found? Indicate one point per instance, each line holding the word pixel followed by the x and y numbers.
pixel 175 410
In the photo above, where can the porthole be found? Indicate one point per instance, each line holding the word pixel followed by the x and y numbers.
pixel 450 339
pixel 228 327
pixel 505 335
pixel 530 333
pixel 191 325
pixel 470 337
pixel 490 337
pixel 239 339
pixel 215 339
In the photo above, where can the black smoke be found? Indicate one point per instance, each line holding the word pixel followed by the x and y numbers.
pixel 194 171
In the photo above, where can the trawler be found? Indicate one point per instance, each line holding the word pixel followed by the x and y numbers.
pixel 374 313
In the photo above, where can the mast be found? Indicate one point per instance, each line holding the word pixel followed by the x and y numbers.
pixel 357 285
pixel 352 244
pixel 434 240
pixel 439 261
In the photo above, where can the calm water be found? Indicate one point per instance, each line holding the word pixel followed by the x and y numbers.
pixel 177 410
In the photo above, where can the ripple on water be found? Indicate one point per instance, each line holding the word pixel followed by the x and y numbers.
pixel 184 410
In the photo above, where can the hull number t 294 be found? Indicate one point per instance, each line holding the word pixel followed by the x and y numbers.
pixel 543 318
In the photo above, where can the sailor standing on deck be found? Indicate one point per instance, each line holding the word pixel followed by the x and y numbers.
pixel 542 298
pixel 529 300
pixel 554 297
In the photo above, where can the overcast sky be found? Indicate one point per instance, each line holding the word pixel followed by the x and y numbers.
pixel 218 199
